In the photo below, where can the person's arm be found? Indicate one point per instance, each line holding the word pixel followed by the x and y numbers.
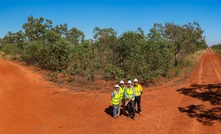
pixel 126 96
pixel 141 89
pixel 133 96
pixel 112 95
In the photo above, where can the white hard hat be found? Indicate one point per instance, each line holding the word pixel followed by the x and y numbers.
pixel 121 82
pixel 135 80
pixel 117 85
pixel 129 82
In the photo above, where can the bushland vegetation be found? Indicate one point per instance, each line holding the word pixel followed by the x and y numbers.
pixel 217 48
pixel 109 56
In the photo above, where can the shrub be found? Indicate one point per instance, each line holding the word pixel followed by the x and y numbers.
pixel 112 72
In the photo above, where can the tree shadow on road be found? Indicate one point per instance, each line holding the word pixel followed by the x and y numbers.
pixel 203 115
pixel 210 93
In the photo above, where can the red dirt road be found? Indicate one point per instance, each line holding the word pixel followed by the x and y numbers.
pixel 31 105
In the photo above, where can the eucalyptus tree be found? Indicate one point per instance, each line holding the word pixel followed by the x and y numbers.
pixel 13 43
pixel 159 52
pixel 194 39
pixel 174 35
pixel 1 41
pixel 36 28
pixel 61 29
pixel 217 48
pixel 75 36
pixel 105 45
pixel 185 39
pixel 47 46
pixel 130 52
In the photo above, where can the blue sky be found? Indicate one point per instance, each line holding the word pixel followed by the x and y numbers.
pixel 121 15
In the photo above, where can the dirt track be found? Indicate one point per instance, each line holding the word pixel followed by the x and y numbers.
pixel 30 105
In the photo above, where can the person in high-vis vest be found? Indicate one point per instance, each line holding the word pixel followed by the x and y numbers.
pixel 122 98
pixel 138 93
pixel 130 97
pixel 115 100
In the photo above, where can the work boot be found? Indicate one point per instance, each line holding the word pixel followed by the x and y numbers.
pixel 133 118
pixel 128 116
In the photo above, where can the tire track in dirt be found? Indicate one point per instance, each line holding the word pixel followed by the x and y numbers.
pixel 190 119
pixel 195 127
pixel 216 65
pixel 30 105
pixel 184 124
pixel 208 73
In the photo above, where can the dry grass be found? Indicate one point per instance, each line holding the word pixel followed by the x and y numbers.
pixel 180 73
pixel 8 57
pixel 1 54
pixel 193 60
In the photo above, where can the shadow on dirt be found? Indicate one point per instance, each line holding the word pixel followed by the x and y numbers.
pixel 210 93
pixel 203 115
pixel 109 111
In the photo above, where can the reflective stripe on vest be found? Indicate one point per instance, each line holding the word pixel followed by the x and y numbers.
pixel 121 92
pixel 116 99
pixel 130 92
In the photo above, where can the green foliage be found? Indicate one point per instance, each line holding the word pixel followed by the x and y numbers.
pixel 55 57
pixel 11 49
pixel 112 72
pixel 1 44
pixel 13 43
pixel 160 54
pixel 104 46
pixel 75 36
pixel 31 52
pixel 52 76
pixel 217 48
pixel 82 61
pixel 130 55
pixel 129 52
pixel 36 28
pixel 185 39
pixel 173 72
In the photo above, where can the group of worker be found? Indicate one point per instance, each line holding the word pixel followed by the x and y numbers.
pixel 129 96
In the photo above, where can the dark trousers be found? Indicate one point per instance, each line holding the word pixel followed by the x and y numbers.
pixel 137 101
pixel 131 109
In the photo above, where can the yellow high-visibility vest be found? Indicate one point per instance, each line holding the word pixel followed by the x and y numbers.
pixel 121 92
pixel 130 92
pixel 116 98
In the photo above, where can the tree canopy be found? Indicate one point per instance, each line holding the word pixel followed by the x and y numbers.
pixel 133 54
